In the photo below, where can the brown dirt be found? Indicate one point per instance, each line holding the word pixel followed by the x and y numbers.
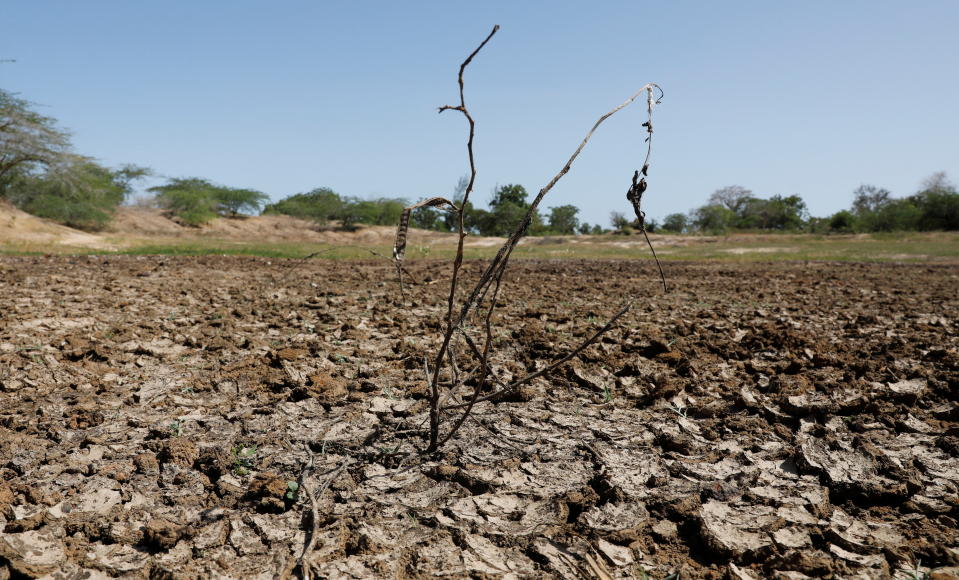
pixel 132 225
pixel 135 222
pixel 169 417
pixel 18 227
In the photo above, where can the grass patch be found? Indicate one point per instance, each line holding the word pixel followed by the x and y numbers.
pixel 887 247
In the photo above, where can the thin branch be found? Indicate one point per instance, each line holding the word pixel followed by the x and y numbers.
pixel 498 264
pixel 550 368
pixel 303 563
pixel 484 370
pixel 458 260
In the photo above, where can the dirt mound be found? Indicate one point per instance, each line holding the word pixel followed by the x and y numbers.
pixel 20 228
pixel 137 222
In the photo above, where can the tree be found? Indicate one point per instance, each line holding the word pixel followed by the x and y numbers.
pixel 562 219
pixel 618 220
pixel 732 197
pixel 82 194
pixel 477 220
pixel 197 201
pixel 236 201
pixel 785 213
pixel 428 218
pixel 41 174
pixel 868 199
pixel 514 194
pixel 189 198
pixel 938 203
pixel 29 142
pixel 502 219
pixel 675 222
pixel 776 213
pixel 938 181
pixel 382 211
pixel 714 219
pixel 896 215
pixel 507 209
pixel 320 205
pixel 842 222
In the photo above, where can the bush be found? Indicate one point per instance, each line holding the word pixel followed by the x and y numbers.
pixel 938 209
pixel 320 205
pixel 323 205
pixel 895 215
pixel 842 222
pixel 428 218
pixel 197 201
pixel 81 195
pixel 675 223
pixel 382 211
pixel 714 219
pixel 233 202
pixel 507 209
pixel 563 220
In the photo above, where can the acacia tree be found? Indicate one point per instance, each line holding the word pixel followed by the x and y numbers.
pixel 82 195
pixel 29 142
pixel 236 201
pixel 320 205
pixel 197 201
pixel 732 197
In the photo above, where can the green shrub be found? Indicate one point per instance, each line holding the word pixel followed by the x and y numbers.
pixel 81 195
pixel 842 222
pixel 197 201
pixel 320 205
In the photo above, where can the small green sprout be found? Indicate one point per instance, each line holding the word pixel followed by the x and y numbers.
pixel 292 490
pixel 607 394
pixel 243 458
pixel 176 427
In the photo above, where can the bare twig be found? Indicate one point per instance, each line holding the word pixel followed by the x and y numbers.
pixel 556 364
pixel 494 272
pixel 303 561
pixel 458 260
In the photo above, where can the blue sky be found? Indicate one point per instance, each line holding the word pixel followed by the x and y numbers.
pixel 812 98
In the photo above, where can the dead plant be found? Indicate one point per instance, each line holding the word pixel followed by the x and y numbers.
pixel 482 298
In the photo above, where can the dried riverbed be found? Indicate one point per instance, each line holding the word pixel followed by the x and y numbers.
pixel 169 417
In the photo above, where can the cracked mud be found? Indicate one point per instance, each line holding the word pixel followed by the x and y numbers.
pixel 169 417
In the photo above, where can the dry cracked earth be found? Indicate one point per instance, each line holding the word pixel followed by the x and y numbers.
pixel 168 417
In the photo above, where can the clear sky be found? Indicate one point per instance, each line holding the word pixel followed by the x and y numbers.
pixel 812 97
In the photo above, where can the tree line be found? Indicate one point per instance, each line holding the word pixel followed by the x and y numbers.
pixel 42 174
pixel 509 204
pixel 734 208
